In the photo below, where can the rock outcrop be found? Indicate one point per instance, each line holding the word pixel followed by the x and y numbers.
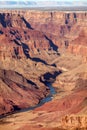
pixel 34 31
pixel 17 92
pixel 74 122
pixel 38 47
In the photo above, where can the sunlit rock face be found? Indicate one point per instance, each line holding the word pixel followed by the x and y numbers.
pixel 37 30
pixel 39 47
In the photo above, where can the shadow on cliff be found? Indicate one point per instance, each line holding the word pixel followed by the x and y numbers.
pixel 55 48
pixel 49 77
pixel 39 60
pixel 2 20
pixel 26 23
pixel 1 32
pixel 19 79
pixel 26 52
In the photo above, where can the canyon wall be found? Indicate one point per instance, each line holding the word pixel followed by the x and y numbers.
pixel 31 40
pixel 44 30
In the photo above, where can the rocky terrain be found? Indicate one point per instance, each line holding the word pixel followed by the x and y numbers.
pixel 38 48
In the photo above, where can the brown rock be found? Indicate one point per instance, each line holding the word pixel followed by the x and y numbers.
pixel 17 92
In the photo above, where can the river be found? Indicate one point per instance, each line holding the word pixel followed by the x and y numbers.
pixel 46 99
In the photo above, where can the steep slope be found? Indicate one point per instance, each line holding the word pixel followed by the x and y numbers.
pixel 17 92
pixel 39 47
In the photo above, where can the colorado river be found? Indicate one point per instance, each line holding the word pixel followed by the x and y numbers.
pixel 46 99
pixel 50 96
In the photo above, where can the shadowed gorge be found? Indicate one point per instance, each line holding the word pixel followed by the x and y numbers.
pixel 27 24
pixel 54 47
pixel 25 50
pixel 43 70
pixel 2 20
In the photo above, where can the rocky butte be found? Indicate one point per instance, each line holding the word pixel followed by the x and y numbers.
pixel 39 49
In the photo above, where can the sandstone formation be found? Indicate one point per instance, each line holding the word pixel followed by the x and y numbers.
pixel 67 123
pixel 76 122
pixel 45 31
pixel 17 92
pixel 38 48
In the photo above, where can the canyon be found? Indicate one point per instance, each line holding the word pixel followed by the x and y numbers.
pixel 38 49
